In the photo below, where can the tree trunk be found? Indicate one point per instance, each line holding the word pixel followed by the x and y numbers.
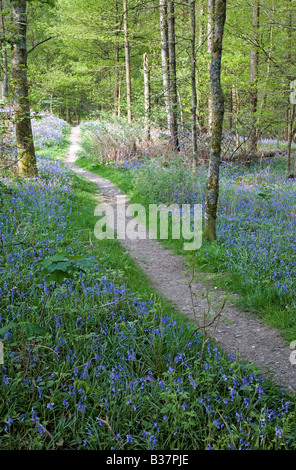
pixel 24 138
pixel 68 116
pixel 116 74
pixel 267 76
pixel 4 54
pixel 147 96
pixel 290 138
pixel 290 65
pixel 119 100
pixel 173 74
pixel 201 39
pixel 230 109
pixel 211 12
pixel 127 63
pixel 236 107
pixel 212 191
pixel 165 58
pixel 254 79
pixel 116 87
pixel 193 86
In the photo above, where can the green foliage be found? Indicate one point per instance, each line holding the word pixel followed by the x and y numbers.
pixel 62 266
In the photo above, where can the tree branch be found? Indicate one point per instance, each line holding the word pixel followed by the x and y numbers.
pixel 41 42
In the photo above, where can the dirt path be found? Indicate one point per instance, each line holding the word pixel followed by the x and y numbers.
pixel 246 335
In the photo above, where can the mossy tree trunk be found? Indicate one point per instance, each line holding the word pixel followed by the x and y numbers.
pixel 24 137
pixel 193 85
pixel 4 53
pixel 212 190
pixel 173 74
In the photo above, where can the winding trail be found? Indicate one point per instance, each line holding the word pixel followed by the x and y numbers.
pixel 245 335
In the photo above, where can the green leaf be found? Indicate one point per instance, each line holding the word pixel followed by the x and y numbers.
pixel 62 266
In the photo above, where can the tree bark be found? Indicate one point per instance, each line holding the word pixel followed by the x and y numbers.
pixel 212 190
pixel 116 86
pixel 201 39
pixel 254 78
pixel 4 53
pixel 173 74
pixel 116 75
pixel 230 109
pixel 210 25
pixel 24 137
pixel 290 138
pixel 165 58
pixel 127 62
pixel 147 96
pixel 193 86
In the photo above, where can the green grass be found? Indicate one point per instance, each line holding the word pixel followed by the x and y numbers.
pixel 57 152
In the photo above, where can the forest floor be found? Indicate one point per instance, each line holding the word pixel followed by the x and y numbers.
pixel 242 333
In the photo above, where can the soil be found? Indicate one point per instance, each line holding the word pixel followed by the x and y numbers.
pixel 243 333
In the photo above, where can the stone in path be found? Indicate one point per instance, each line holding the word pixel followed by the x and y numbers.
pixel 245 334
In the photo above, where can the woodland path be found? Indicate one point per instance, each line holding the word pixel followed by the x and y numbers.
pixel 246 335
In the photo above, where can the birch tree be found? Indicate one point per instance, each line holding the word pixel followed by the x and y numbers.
pixel 193 84
pixel 127 63
pixel 147 96
pixel 212 190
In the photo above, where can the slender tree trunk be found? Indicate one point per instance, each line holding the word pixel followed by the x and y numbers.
pixel 116 74
pixel 235 107
pixel 290 138
pixel 165 58
pixel 193 85
pixel 68 116
pixel 180 107
pixel 119 100
pixel 267 76
pixel 24 137
pixel 127 63
pixel 173 74
pixel 212 191
pixel 230 109
pixel 288 57
pixel 147 96
pixel 116 86
pixel 210 25
pixel 254 78
pixel 4 54
pixel 201 39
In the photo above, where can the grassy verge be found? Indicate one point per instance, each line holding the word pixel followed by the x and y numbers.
pixel 94 358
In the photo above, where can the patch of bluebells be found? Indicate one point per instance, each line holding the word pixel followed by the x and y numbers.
pixel 256 222
pixel 108 352
pixel 48 130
